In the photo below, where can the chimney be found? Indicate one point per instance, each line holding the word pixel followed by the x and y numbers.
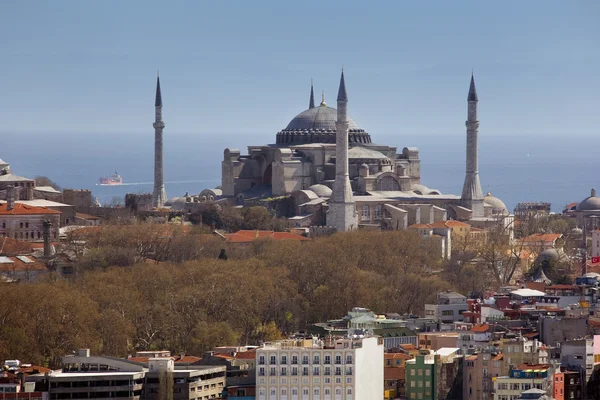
pixel 47 226
pixel 10 198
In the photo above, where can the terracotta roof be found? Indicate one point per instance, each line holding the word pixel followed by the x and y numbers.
pixel 34 369
pixel 408 346
pixel 393 374
pixel 225 356
pixel 498 357
pixel 24 209
pixel 471 358
pixel 480 328
pixel 541 238
pixel 246 355
pixel 246 236
pixel 561 287
pixel 399 356
pixel 21 263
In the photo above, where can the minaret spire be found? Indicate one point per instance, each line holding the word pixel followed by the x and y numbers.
pixel 472 195
pixel 311 103
pixel 159 195
pixel 342 209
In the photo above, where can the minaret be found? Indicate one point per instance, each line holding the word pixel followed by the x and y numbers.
pixel 342 209
pixel 472 195
pixel 160 195
pixel 311 103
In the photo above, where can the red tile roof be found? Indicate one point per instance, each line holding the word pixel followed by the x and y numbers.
pixel 20 265
pixel 533 366
pixel 408 346
pixel 547 238
pixel 394 374
pixel 498 357
pixel 24 209
pixel 246 236
pixel 480 328
pixel 246 355
pixel 397 356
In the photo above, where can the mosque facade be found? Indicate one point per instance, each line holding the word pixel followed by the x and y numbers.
pixel 325 162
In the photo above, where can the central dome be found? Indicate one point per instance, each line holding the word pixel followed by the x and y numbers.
pixel 322 117
pixel 317 125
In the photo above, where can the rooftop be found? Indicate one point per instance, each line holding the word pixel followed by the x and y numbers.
pixel 23 209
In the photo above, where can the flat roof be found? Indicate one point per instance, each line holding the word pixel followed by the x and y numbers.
pixel 93 374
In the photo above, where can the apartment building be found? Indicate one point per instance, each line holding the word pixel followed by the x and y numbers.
pixel 522 378
pixel 341 369
pixel 85 377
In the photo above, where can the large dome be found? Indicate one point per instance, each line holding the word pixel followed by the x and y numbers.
pixel 317 125
pixel 591 203
pixel 317 118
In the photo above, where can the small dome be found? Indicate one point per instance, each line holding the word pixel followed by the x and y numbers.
pixel 321 190
pixel 548 255
pixel 176 203
pixel 591 203
pixel 498 206
pixel 364 166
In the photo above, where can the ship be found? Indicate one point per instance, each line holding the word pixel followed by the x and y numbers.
pixel 115 179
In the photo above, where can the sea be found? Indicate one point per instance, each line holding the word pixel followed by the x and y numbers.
pixel 559 170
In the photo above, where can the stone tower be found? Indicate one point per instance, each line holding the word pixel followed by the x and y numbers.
pixel 159 195
pixel 342 209
pixel 472 195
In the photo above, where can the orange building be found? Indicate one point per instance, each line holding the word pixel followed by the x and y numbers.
pixel 567 385
pixel 394 375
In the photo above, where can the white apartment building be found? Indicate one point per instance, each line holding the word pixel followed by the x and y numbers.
pixel 340 369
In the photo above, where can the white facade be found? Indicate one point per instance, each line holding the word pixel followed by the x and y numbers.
pixel 347 369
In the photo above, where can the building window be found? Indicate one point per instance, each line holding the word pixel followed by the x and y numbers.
pixel 377 212
pixel 272 372
pixel 304 359
pixel 338 359
pixel 412 372
pixel 348 370
pixel 427 372
pixel 26 224
pixel 412 384
pixel 316 359
pixel 327 359
pixel 327 371
pixel 261 360
pixel 261 372
pixel 316 392
pixel 283 359
pixel 20 224
pixel 305 391
pixel 348 359
pixel 304 371
pixel 448 312
pixel 420 372
pixel 338 371
pixel 294 371
pixel 365 212
pixel 283 371
pixel 273 360
pixel 294 359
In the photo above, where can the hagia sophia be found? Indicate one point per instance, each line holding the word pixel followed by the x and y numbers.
pixel 386 190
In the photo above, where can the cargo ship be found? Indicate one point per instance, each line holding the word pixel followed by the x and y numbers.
pixel 112 180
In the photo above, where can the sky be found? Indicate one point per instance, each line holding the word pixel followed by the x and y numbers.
pixel 244 67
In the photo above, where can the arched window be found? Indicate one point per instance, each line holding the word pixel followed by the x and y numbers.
pixel 365 214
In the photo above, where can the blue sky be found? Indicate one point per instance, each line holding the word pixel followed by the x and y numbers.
pixel 244 67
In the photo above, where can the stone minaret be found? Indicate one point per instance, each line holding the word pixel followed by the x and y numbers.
pixel 472 195
pixel 159 195
pixel 311 103
pixel 342 209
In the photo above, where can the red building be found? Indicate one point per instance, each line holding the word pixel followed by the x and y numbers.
pixel 568 385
